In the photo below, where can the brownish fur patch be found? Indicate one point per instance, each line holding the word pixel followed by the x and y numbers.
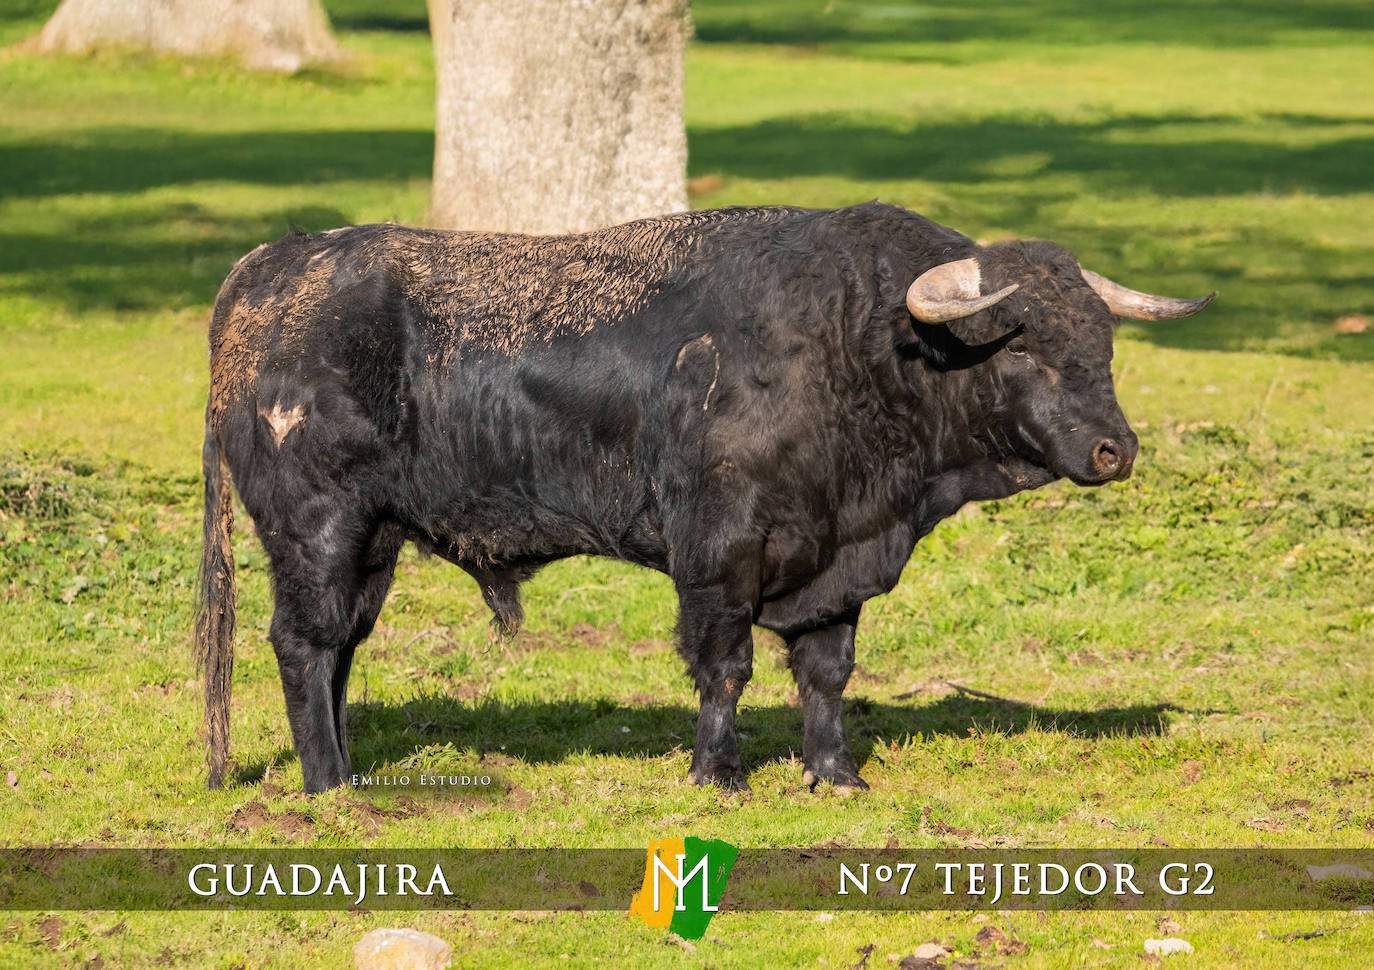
pixel 238 347
pixel 500 291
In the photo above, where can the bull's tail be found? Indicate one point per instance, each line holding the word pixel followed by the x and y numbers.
pixel 218 604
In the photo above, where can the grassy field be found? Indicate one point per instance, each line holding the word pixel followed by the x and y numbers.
pixel 1183 660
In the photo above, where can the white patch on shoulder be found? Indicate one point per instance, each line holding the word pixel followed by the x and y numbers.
pixel 282 422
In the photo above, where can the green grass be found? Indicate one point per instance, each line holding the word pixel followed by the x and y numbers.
pixel 1185 658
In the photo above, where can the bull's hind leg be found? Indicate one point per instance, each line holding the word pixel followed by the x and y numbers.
pixel 329 589
pixel 821 662
pixel 378 569
pixel 717 643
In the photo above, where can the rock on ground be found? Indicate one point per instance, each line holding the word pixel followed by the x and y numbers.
pixel 1168 947
pixel 392 949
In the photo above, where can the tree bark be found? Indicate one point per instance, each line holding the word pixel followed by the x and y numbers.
pixel 274 35
pixel 557 115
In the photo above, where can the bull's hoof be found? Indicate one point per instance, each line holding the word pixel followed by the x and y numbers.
pixel 845 780
pixel 731 780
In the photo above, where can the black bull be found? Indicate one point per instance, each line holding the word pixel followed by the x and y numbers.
pixel 769 405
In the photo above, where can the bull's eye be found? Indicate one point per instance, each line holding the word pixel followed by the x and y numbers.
pixel 1016 348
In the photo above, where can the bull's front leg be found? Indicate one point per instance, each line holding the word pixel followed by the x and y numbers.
pixel 716 640
pixel 821 662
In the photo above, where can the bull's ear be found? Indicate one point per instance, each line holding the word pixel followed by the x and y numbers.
pixel 1135 305
pixel 950 291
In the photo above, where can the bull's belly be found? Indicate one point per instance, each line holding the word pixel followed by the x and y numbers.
pixel 507 528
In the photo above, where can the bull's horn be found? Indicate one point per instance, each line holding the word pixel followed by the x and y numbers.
pixel 950 291
pixel 1134 305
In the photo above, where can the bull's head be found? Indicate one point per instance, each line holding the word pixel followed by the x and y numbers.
pixel 1043 326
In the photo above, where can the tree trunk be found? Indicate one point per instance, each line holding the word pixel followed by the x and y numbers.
pixel 274 35
pixel 557 115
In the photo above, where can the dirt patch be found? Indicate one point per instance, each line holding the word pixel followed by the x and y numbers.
pixel 1339 781
pixel 456 804
pixel 644 700
pixel 930 688
pixel 593 636
pixel 255 816
pixel 517 798
pixel 513 798
pixel 250 818
pixel 295 825
pixel 372 817
pixel 533 641
pixel 469 690
pixel 51 931
pixel 642 648
pixel 1085 658
pixel 865 676
pixel 993 939
pixel 705 184
pixel 940 828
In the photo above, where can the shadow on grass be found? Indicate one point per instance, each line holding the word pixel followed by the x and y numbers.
pixel 164 257
pixel 880 30
pixel 546 732
pixel 398 16
pixel 139 254
pixel 1171 155
pixel 131 158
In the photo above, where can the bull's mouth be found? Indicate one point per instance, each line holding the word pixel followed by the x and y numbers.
pixel 1028 474
pixel 1096 482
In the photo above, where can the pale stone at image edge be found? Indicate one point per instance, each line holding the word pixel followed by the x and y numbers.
pixel 1168 947
pixel 393 949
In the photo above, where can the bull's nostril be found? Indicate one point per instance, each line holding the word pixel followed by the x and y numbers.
pixel 1107 457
